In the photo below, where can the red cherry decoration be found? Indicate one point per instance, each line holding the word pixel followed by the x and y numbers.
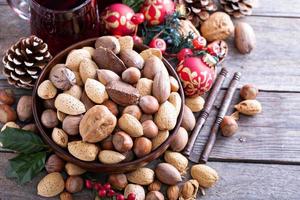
pixel 137 39
pixel 138 18
pixel 88 184
pixel 102 193
pixel 183 53
pixel 196 77
pixel 159 44
pixel 120 197
pixel 131 196
pixel 111 193
pixel 97 186
pixel 107 186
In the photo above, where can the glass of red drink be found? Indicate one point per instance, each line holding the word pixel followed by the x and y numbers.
pixel 59 23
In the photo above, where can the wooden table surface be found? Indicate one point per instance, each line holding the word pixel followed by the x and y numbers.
pixel 260 161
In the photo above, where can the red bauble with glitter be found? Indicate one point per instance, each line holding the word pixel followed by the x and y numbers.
pixel 196 77
pixel 117 19
pixel 155 11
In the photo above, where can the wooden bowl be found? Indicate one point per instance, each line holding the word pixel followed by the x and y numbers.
pixel 96 166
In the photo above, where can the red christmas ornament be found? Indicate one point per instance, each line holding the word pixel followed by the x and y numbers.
pixel 117 19
pixel 155 11
pixel 138 18
pixel 159 44
pixel 137 39
pixel 196 76
pixel 183 53
pixel 199 43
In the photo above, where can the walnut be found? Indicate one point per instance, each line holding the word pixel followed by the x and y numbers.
pixel 218 27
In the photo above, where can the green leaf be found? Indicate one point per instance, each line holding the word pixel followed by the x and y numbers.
pixel 26 166
pixel 134 4
pixel 21 141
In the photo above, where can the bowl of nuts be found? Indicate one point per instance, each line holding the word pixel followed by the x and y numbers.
pixel 108 105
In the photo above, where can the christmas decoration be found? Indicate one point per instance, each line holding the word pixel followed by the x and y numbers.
pixel 24 61
pixel 186 28
pixel 199 10
pixel 134 4
pixel 168 31
pixel 155 11
pixel 238 8
pixel 159 44
pixel 199 43
pixel 120 19
pixel 183 53
pixel 219 49
pixel 196 76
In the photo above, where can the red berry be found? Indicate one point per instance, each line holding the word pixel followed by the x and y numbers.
pixel 88 184
pixel 137 39
pixel 138 18
pixel 120 197
pixel 111 193
pixel 183 53
pixel 159 44
pixel 131 196
pixel 199 43
pixel 98 186
pixel 102 193
pixel 107 186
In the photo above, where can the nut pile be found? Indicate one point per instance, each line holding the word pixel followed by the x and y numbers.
pixel 119 104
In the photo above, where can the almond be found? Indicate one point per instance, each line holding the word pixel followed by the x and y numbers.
pixel 122 93
pixel 130 125
pixel 46 90
pixel 249 107
pixel 69 104
pixel 74 170
pixel 110 157
pixel 161 87
pixel 175 99
pixel 144 86
pixel 205 175
pixel 83 151
pixel 161 137
pixel 87 69
pixel 95 91
pixel 166 116
pixel 195 103
pixel 136 189
pixel 51 185
pixel 75 57
pixel 176 159
pixel 59 137
pixel 141 176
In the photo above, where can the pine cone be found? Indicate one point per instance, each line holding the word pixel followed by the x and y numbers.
pixel 199 10
pixel 238 8
pixel 24 61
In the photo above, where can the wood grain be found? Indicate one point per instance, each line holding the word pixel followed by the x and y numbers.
pixel 271 136
pixel 9 190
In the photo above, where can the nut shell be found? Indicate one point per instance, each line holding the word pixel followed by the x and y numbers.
pixel 51 185
pixel 24 108
pixel 118 181
pixel 161 88
pixel 83 151
pixel 108 42
pixel 136 189
pixel 131 58
pixel 110 157
pixel 142 146
pixel 69 104
pixel 46 90
pixel 95 91
pixel 141 176
pixel 167 174
pixel 205 175
pixel 244 37
pixel 248 92
pixel 122 142
pixel 180 140
pixel 150 129
pixel 131 75
pixel 59 137
pixel 130 125
pixel 149 104
pixel 54 164
pixel 74 184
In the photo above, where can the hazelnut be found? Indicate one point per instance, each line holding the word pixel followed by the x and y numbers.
pixel 142 146
pixel 71 124
pixel 149 104
pixel 74 184
pixel 118 181
pixel 173 192
pixel 150 129
pixel 229 126
pixel 146 117
pixel 133 110
pixel 7 96
pixel 112 107
pixel 155 195
pixel 54 164
pixel 65 196
pixel 131 75
pixel 122 141
pixel 49 103
pixel 155 186
pixel 129 156
pixel 30 127
pixel 174 84
pixel 49 118
pixel 249 91
pixel 107 144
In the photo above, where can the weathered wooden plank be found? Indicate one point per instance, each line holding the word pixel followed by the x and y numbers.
pixel 271 136
pixel 278 8
pixel 10 190
pixel 237 181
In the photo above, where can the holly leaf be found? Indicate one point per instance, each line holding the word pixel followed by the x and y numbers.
pixel 22 141
pixel 26 166
pixel 134 4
